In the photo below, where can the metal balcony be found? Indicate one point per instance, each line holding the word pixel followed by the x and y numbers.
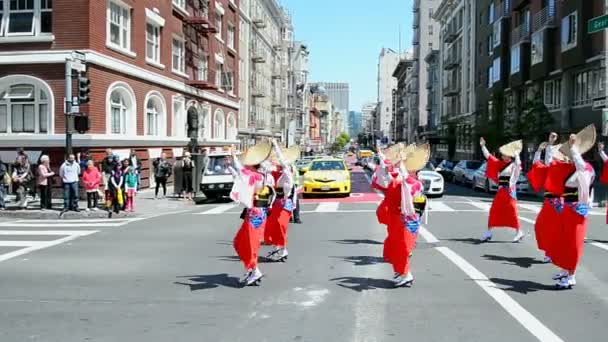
pixel 257 93
pixel 520 34
pixel 450 35
pixel 451 62
pixel 204 80
pixel 452 89
pixel 259 23
pixel 258 58
pixel 545 18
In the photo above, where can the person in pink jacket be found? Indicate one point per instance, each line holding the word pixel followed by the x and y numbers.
pixel 91 178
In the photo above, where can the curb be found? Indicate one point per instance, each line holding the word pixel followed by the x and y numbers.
pixel 56 215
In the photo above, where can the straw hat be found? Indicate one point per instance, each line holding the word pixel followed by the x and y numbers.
pixel 511 149
pixel 256 154
pixel 415 158
pixel 289 154
pixel 585 139
pixel 393 153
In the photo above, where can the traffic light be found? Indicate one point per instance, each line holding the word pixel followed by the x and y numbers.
pixel 82 123
pixel 83 90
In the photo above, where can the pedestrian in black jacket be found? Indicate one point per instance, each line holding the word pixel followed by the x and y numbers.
pixel 162 172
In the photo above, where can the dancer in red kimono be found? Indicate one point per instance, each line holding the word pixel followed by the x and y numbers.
pixel 547 221
pixel 505 172
pixel 577 201
pixel 405 202
pixel 604 174
pixel 253 189
pixel 386 171
pixel 280 214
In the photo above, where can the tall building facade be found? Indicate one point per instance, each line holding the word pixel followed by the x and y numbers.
pixel 367 116
pixel 355 124
pixel 425 39
pixel 162 73
pixel 536 56
pixel 403 94
pixel 387 62
pixel 457 58
pixel 298 91
pixel 338 94
pixel 246 128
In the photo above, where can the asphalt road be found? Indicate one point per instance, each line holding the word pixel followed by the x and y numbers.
pixel 174 278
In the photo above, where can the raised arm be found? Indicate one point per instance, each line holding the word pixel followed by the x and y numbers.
pixel 600 147
pixel 279 153
pixel 484 149
pixel 585 177
pixel 537 154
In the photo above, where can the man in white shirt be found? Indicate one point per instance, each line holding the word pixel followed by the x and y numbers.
pixel 69 173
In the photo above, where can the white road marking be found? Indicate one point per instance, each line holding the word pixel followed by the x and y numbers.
pixel 20 243
pixel 599 245
pixel 220 209
pixel 46 244
pixel 63 224
pixel 480 205
pixel 327 207
pixel 439 206
pixel 46 232
pixel 525 318
pixel 531 207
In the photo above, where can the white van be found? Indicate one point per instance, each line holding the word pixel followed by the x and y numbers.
pixel 216 180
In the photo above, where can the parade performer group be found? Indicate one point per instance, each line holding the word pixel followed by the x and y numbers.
pixel 268 202
pixel 265 185
pixel 403 205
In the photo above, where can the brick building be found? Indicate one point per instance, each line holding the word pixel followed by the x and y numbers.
pixel 162 73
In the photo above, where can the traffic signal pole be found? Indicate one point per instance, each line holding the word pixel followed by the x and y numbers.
pixel 68 107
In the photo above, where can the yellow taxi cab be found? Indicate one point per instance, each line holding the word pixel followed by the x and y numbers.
pixel 365 154
pixel 327 176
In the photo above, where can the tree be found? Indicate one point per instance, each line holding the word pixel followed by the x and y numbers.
pixel 534 120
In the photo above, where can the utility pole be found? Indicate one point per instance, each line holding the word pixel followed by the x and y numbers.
pixel 72 104
pixel 68 106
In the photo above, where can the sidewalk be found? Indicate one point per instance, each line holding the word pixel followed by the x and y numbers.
pixel 145 204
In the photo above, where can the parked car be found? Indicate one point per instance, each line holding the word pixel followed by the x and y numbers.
pixel 465 170
pixel 480 181
pixel 446 169
pixel 432 180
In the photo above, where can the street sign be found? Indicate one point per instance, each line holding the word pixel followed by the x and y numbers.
pixel 78 66
pixel 80 56
pixel 597 24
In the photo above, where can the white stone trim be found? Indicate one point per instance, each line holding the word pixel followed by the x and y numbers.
pixel 41 38
pixel 131 120
pixel 94 57
pixel 180 10
pixel 88 140
pixel 219 112
pixel 154 64
pixel 219 8
pixel 120 50
pixel 154 18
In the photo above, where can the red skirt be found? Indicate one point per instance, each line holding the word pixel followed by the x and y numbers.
pixel 570 241
pixel 547 227
pixel 277 224
pixel 399 245
pixel 382 212
pixel 247 243
pixel 503 213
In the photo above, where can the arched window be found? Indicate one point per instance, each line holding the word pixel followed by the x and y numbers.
pixel 205 123
pixel 219 125
pixel 231 130
pixel 26 105
pixel 155 114
pixel 121 109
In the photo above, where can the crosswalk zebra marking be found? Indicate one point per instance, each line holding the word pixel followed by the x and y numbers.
pixel 220 209
pixel 31 246
pixel 327 207
pixel 439 206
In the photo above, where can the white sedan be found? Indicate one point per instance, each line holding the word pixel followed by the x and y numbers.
pixel 432 180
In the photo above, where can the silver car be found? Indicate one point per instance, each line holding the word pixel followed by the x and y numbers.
pixel 482 182
pixel 464 171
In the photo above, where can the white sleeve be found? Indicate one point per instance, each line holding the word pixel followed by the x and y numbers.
pixel 537 156
pixel 584 177
pixel 486 153
pixel 603 155
pixel 407 202
pixel 515 172
pixel 549 154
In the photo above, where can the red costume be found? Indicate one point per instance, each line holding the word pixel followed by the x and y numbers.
pixel 503 212
pixel 280 214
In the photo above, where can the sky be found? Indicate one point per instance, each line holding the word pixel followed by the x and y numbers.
pixel 345 38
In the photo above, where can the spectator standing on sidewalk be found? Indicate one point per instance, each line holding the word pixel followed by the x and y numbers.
pixel 69 173
pixel 21 177
pixel 44 182
pixel 91 178
pixel 115 189
pixel 187 170
pixel 5 180
pixel 130 188
pixel 124 167
pixel 83 159
pixel 135 162
pixel 162 172
pixel 107 166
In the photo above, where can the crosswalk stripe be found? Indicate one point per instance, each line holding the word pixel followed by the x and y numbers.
pixel 327 207
pixel 46 232
pixel 439 206
pixel 531 207
pixel 217 210
pixel 480 205
pixel 8 243
pixel 40 246
pixel 62 224
pixel 600 245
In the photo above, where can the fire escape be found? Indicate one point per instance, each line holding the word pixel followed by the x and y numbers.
pixel 198 25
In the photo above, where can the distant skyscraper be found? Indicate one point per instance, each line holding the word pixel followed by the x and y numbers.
pixel 355 125
pixel 338 94
pixel 387 63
